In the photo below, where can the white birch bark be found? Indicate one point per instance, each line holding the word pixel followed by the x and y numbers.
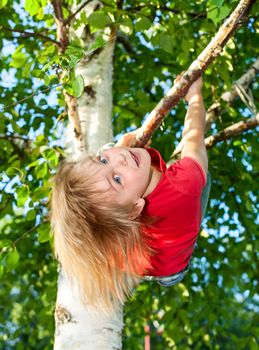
pixel 77 326
pixel 95 105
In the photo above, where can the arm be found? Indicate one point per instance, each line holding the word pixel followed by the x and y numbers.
pixel 194 124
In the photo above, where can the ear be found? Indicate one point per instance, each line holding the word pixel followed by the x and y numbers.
pixel 137 208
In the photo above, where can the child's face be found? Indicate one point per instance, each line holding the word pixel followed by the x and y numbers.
pixel 125 172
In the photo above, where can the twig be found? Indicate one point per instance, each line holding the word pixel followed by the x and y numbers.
pixel 24 234
pixel 30 96
pixel 29 34
pixel 232 131
pixel 193 73
pixel 229 96
pixel 125 42
pixel 68 20
pixel 62 35
pixel 14 137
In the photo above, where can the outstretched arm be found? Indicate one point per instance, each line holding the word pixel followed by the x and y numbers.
pixel 194 124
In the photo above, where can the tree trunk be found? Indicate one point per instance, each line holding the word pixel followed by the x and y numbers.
pixel 77 326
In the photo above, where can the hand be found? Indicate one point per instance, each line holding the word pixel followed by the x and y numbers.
pixel 195 89
pixel 129 139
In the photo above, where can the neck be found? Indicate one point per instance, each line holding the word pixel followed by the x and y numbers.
pixel 155 176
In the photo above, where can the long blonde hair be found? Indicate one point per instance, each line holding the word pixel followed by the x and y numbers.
pixel 94 239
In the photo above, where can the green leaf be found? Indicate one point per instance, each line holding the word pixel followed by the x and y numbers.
pixel 40 140
pixel 37 73
pixel 18 58
pixel 223 13
pixel 142 23
pixel 1 271
pixel 50 50
pixel 99 42
pixel 217 3
pixel 166 42
pixel 78 86
pixel 213 15
pixel 33 164
pixel 51 156
pixel 27 69
pixel 22 194
pixel 31 214
pixel 12 260
pixel 32 6
pixel 46 79
pixel 5 243
pixel 3 3
pixel 237 143
pixel 44 233
pixel 97 20
pixel 41 170
pixel 218 14
pixel 72 51
pixel 126 25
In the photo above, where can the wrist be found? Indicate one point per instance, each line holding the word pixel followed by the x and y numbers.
pixel 196 97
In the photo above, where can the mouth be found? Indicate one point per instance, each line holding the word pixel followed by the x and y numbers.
pixel 135 158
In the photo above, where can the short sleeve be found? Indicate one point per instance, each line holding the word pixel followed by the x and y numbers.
pixel 187 176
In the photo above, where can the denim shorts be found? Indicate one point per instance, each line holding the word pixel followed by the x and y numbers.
pixel 168 281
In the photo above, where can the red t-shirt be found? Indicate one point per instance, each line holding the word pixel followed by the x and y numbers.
pixel 176 202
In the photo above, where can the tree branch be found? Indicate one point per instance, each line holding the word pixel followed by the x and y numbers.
pixel 62 34
pixel 232 131
pixel 30 96
pixel 196 69
pixel 68 20
pixel 29 34
pixel 14 137
pixel 229 96
pixel 193 15
pixel 125 43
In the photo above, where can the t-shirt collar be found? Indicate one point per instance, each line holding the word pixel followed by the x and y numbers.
pixel 157 160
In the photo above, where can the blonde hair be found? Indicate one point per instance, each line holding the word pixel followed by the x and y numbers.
pixel 94 239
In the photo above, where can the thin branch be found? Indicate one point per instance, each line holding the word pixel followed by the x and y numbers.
pixel 196 69
pixel 29 34
pixel 229 96
pixel 68 20
pixel 25 233
pixel 119 4
pixel 138 114
pixel 193 15
pixel 62 34
pixel 14 137
pixel 245 80
pixel 125 43
pixel 30 96
pixel 232 131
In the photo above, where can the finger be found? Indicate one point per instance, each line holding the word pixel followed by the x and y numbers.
pixel 179 76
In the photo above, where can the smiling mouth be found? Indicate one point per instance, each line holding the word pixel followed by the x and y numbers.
pixel 135 158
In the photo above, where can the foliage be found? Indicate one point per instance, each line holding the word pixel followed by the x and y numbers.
pixel 215 307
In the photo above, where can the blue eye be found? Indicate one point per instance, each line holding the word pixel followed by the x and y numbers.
pixel 117 179
pixel 102 160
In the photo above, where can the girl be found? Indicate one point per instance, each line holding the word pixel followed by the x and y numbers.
pixel 122 215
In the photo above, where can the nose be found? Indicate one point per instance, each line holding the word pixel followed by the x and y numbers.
pixel 123 159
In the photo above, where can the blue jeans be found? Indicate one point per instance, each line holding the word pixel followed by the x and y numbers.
pixel 168 281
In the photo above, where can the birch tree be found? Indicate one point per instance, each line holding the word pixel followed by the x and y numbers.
pixel 77 49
